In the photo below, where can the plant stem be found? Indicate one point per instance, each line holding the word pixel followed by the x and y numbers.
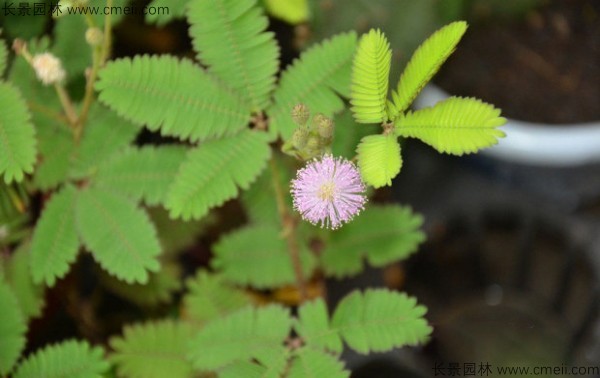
pixel 289 231
pixel 67 104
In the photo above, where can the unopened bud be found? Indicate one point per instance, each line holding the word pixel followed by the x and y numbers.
pixel 48 68
pixel 300 137
pixel 325 127
pixel 94 37
pixel 313 143
pixel 300 114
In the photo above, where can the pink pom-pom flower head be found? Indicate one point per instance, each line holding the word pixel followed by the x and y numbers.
pixel 328 191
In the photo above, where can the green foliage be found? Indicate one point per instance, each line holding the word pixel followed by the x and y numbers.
pixel 176 235
pixel 370 78
pixel 210 298
pixel 3 57
pixel 379 320
pixel 244 335
pixel 213 172
pixel 17 135
pixel 56 148
pixel 237 254
pixel 69 36
pixel 176 10
pixel 119 235
pixel 142 173
pixel 317 79
pixel 55 242
pixel 230 38
pixel 16 273
pixel 290 11
pixel 314 327
pixel 348 134
pixel 381 235
pixel 455 126
pixel 316 363
pixel 73 359
pixel 424 63
pixel 12 329
pixel 379 159
pixel 175 96
pixel 154 349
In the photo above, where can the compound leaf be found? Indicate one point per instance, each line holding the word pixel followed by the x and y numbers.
pixel 370 78
pixel 314 327
pixel 12 329
pixel 379 159
pixel 175 96
pixel 316 363
pixel 213 172
pixel 455 126
pixel 290 11
pixel 17 274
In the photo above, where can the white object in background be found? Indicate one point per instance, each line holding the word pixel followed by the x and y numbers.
pixel 561 145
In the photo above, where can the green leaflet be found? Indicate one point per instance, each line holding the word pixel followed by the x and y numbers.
pixel 153 350
pixel 455 126
pixel 316 363
pixel 56 147
pixel 213 172
pixel 317 79
pixel 314 327
pixel 16 272
pixel 424 63
pixel 230 38
pixel 379 159
pixel 173 96
pixel 176 235
pixel 119 235
pixel 55 242
pixel 381 235
pixel 176 10
pixel 236 255
pixel 251 333
pixel 12 329
pixel 370 78
pixel 142 173
pixel 379 320
pixel 290 11
pixel 210 298
pixel 73 359
pixel 17 135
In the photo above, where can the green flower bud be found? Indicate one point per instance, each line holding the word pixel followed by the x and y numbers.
pixel 325 127
pixel 300 114
pixel 300 138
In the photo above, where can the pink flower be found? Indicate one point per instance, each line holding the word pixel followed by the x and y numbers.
pixel 328 191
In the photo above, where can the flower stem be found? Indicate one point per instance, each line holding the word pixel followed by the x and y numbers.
pixel 289 231
pixel 67 104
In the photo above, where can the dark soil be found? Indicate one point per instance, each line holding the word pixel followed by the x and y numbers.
pixel 542 68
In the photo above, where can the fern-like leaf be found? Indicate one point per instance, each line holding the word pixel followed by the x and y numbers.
pixel 16 272
pixel 155 349
pixel 379 159
pixel 317 79
pixel 213 172
pixel 175 96
pixel 381 235
pixel 249 333
pixel 230 38
pixel 210 298
pixel 12 329
pixel 316 363
pixel 176 10
pixel 315 329
pixel 455 126
pixel 379 320
pixel 17 135
pixel 424 63
pixel 244 369
pixel 55 242
pixel 142 174
pixel 370 78
pixel 73 359
pixel 119 235
pixel 258 256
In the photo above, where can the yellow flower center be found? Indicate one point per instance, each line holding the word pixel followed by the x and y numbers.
pixel 326 191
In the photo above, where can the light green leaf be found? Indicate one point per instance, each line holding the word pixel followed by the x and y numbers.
pixel 424 63
pixel 12 329
pixel 210 298
pixel 171 9
pixel 258 256
pixel 73 359
pixel 16 272
pixel 175 96
pixel 55 242
pixel 314 328
pixel 230 38
pixel 17 135
pixel 244 369
pixel 379 320
pixel 119 235
pixel 290 11
pixel 317 79
pixel 316 363
pixel 214 171
pixel 142 173
pixel 247 334
pixel 381 235
pixel 370 78
pixel 153 350
pixel 379 159
pixel 455 126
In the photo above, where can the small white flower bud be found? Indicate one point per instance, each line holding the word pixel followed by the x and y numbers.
pixel 94 36
pixel 48 68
